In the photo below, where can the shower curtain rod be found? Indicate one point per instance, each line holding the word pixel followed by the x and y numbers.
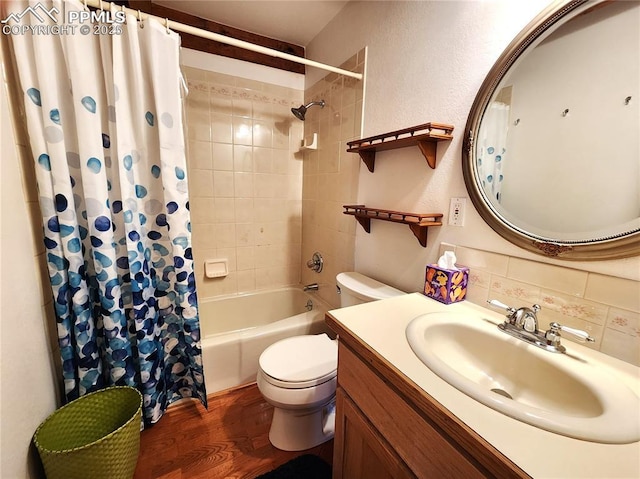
pixel 181 27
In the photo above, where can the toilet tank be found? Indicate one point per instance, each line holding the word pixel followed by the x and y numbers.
pixel 356 288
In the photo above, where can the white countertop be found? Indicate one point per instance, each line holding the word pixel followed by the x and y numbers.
pixel 541 454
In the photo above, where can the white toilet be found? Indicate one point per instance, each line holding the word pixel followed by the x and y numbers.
pixel 297 375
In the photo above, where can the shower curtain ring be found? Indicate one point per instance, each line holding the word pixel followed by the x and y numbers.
pixel 166 25
pixel 85 4
pixel 101 7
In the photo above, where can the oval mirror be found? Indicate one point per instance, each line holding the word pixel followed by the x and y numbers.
pixel 551 156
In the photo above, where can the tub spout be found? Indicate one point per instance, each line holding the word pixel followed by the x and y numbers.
pixel 311 287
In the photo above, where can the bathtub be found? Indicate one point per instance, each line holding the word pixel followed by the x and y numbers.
pixel 237 329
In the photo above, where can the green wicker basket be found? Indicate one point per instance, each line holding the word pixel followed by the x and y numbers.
pixel 96 436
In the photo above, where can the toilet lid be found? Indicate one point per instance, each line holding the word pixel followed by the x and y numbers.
pixel 300 358
pixel 366 288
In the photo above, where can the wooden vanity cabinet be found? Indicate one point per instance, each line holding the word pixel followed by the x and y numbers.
pixel 387 427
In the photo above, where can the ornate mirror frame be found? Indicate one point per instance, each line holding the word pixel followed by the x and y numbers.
pixel 617 246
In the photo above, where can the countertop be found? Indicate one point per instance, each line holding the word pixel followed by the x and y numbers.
pixel 541 454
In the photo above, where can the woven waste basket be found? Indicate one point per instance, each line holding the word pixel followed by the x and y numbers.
pixel 96 436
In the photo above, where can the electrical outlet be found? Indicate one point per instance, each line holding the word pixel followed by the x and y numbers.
pixel 456 211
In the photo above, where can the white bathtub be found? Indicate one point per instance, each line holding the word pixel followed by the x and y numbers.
pixel 237 329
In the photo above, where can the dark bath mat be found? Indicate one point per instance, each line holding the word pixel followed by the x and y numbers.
pixel 307 466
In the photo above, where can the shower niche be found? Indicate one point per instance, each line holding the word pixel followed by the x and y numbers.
pixel 425 137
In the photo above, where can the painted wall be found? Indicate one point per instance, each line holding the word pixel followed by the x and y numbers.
pixel 426 62
pixel 29 391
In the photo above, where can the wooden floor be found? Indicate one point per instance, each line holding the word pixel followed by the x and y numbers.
pixel 230 440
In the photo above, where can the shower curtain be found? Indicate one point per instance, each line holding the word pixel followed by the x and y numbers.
pixel 492 144
pixel 104 118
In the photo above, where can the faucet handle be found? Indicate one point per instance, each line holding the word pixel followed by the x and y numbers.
pixel 578 333
pixel 498 304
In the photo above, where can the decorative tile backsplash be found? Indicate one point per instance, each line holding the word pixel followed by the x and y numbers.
pixel 607 307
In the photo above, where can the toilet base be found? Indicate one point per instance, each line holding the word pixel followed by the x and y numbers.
pixel 298 430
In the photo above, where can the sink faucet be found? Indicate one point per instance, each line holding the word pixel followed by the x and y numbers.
pixel 311 287
pixel 522 323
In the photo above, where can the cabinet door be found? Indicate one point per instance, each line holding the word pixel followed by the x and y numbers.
pixel 360 452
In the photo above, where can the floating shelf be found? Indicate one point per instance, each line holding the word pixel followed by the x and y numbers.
pixel 423 136
pixel 418 222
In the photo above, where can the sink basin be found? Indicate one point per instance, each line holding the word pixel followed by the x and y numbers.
pixel 556 392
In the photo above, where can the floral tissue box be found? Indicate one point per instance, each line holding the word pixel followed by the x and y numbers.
pixel 446 285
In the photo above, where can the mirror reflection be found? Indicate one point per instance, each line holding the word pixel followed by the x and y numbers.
pixel 557 150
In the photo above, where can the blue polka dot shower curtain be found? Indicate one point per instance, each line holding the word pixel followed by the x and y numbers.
pixel 104 117
pixel 492 148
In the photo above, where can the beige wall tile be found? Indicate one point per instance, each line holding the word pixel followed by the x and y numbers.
pixel 242 107
pixel 225 235
pixel 262 133
pixel 567 305
pixel 262 160
pixel 242 131
pixel 199 155
pixel 255 195
pixel 566 280
pixel 243 185
pixel 222 156
pixel 621 346
pixel 619 292
pixel 626 322
pixel 223 184
pixel 330 180
pixel 221 128
pixel 224 210
pixel 202 210
pixel 244 235
pixel 220 103
pixel 201 183
pixel 515 291
pixel 246 281
pixel 245 256
pixel 482 260
pixel 242 158
pixel 608 311
pixel 244 210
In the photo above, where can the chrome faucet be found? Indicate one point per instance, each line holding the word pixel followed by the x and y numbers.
pixel 316 263
pixel 311 287
pixel 522 323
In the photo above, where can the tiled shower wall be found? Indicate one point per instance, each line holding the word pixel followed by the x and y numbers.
pixel 607 307
pixel 331 176
pixel 245 179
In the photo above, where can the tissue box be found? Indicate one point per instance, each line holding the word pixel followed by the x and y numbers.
pixel 446 285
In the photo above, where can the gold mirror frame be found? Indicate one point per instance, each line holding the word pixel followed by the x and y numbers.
pixel 619 246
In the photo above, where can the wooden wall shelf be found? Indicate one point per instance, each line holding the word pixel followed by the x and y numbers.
pixel 418 222
pixel 423 136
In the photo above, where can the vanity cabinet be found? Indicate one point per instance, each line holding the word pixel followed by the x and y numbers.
pixel 387 427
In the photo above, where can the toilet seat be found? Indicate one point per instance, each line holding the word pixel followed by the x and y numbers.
pixel 300 361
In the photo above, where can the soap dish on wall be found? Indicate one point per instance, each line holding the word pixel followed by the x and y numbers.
pixel 216 268
pixel 310 142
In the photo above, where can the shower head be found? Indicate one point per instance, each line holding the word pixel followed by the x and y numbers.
pixel 301 111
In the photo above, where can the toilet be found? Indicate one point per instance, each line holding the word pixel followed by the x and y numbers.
pixel 297 375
